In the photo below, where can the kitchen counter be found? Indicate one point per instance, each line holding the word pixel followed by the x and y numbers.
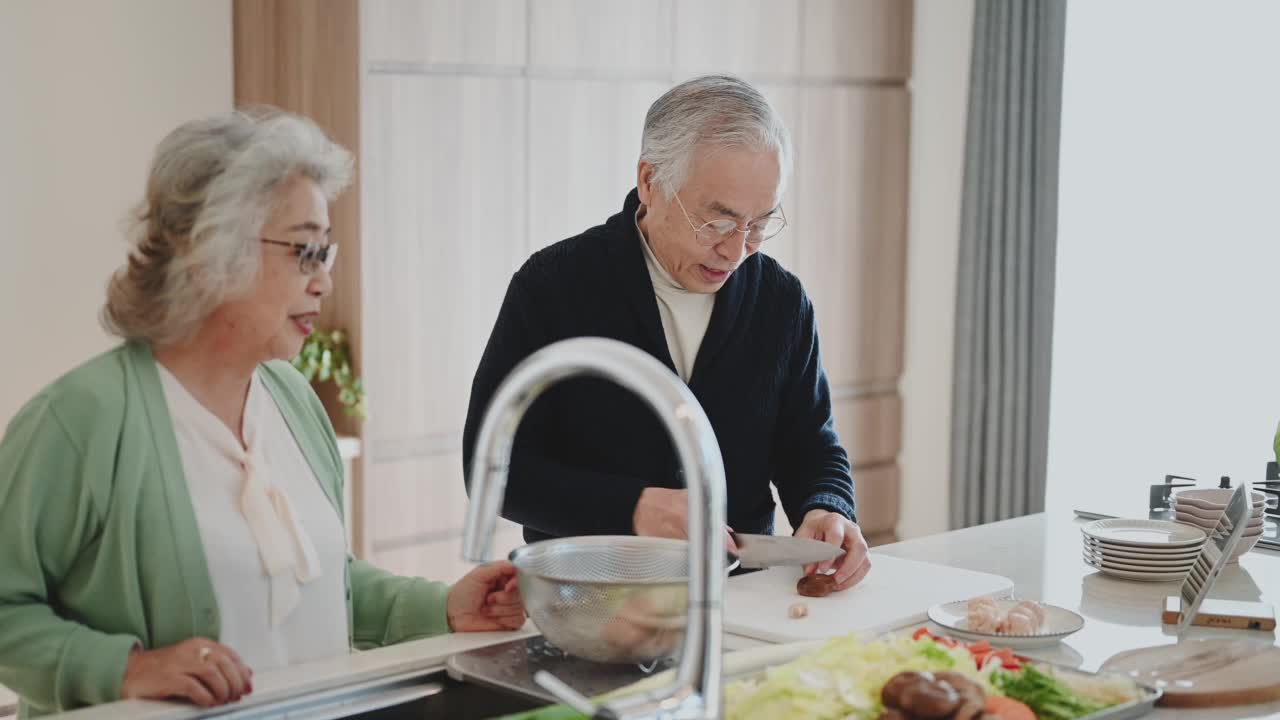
pixel 308 678
pixel 1040 553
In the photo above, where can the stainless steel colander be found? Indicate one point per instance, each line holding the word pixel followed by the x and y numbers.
pixel 608 598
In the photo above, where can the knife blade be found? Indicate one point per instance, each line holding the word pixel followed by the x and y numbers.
pixel 762 551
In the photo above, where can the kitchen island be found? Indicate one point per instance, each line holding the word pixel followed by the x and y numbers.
pixel 1040 553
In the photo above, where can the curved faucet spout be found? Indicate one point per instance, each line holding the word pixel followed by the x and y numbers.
pixel 697 685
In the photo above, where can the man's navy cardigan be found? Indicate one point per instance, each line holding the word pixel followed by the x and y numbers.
pixel 587 447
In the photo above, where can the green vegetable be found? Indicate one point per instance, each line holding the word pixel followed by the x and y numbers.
pixel 839 681
pixel 935 652
pixel 1044 694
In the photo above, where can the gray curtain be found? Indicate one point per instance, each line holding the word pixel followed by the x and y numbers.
pixel 1004 303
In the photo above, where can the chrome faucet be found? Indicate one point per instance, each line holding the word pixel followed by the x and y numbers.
pixel 696 691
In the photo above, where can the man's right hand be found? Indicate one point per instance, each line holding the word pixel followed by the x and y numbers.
pixel 200 670
pixel 663 512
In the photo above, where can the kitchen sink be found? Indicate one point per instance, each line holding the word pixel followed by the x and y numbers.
pixel 454 700
pixel 414 695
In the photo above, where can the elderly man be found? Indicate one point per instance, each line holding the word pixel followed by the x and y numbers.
pixel 677 273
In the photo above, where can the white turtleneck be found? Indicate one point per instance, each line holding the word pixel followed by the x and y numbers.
pixel 685 315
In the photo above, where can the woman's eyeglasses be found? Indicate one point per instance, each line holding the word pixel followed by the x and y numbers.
pixel 312 256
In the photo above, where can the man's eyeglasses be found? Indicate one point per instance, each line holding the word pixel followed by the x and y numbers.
pixel 312 256
pixel 710 234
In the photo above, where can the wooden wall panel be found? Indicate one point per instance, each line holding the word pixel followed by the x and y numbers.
pixel 871 431
pixel 748 37
pixel 870 428
pixel 876 494
pixel 582 160
pixel 304 56
pixel 417 499
pixel 474 33
pixel 851 225
pixel 787 100
pixel 445 218
pixel 442 559
pixel 591 38
pixel 857 39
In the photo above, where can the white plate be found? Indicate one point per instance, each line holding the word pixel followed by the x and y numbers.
pixel 1167 552
pixel 1121 551
pixel 1141 576
pixel 1161 565
pixel 1059 622
pixel 1138 568
pixel 1144 533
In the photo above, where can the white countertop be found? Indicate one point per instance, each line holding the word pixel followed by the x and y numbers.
pixel 309 677
pixel 1040 553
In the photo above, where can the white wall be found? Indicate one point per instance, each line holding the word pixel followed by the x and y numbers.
pixel 1166 350
pixel 87 89
pixel 940 88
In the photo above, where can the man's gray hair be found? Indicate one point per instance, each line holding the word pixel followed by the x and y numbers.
pixel 715 111
pixel 212 186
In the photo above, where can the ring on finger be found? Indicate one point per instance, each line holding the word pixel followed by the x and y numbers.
pixel 205 652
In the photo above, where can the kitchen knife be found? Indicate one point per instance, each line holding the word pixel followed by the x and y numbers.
pixel 762 551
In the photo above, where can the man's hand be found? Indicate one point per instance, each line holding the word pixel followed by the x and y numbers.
pixel 836 529
pixel 663 512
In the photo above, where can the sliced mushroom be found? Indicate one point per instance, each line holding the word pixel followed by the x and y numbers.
pixel 930 700
pixel 816 585
pixel 891 693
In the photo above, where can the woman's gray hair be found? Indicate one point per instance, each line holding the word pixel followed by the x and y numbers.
pixel 212 186
pixel 716 111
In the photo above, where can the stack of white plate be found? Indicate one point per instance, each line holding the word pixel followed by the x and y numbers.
pixel 1202 508
pixel 1147 550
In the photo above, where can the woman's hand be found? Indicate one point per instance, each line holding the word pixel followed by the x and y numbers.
pixel 200 670
pixel 487 598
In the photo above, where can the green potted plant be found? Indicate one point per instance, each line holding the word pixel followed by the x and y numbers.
pixel 325 356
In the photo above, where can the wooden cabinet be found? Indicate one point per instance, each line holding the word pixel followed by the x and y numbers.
pixel 444 198
pixel 487 129
pixel 600 38
pixel 850 218
pixel 407 35
pixel 745 37
pixel 584 144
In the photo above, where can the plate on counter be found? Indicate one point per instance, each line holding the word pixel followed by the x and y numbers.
pixel 1120 551
pixel 1141 575
pixel 1144 533
pixel 1159 564
pixel 1059 622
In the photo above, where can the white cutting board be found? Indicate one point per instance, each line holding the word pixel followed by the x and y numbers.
pixel 897 592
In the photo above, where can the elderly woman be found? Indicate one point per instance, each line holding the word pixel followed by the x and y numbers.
pixel 170 512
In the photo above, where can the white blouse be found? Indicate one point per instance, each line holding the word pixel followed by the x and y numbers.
pixel 274 544
pixel 685 315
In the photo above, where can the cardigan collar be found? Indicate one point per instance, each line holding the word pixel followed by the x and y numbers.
pixel 627 260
